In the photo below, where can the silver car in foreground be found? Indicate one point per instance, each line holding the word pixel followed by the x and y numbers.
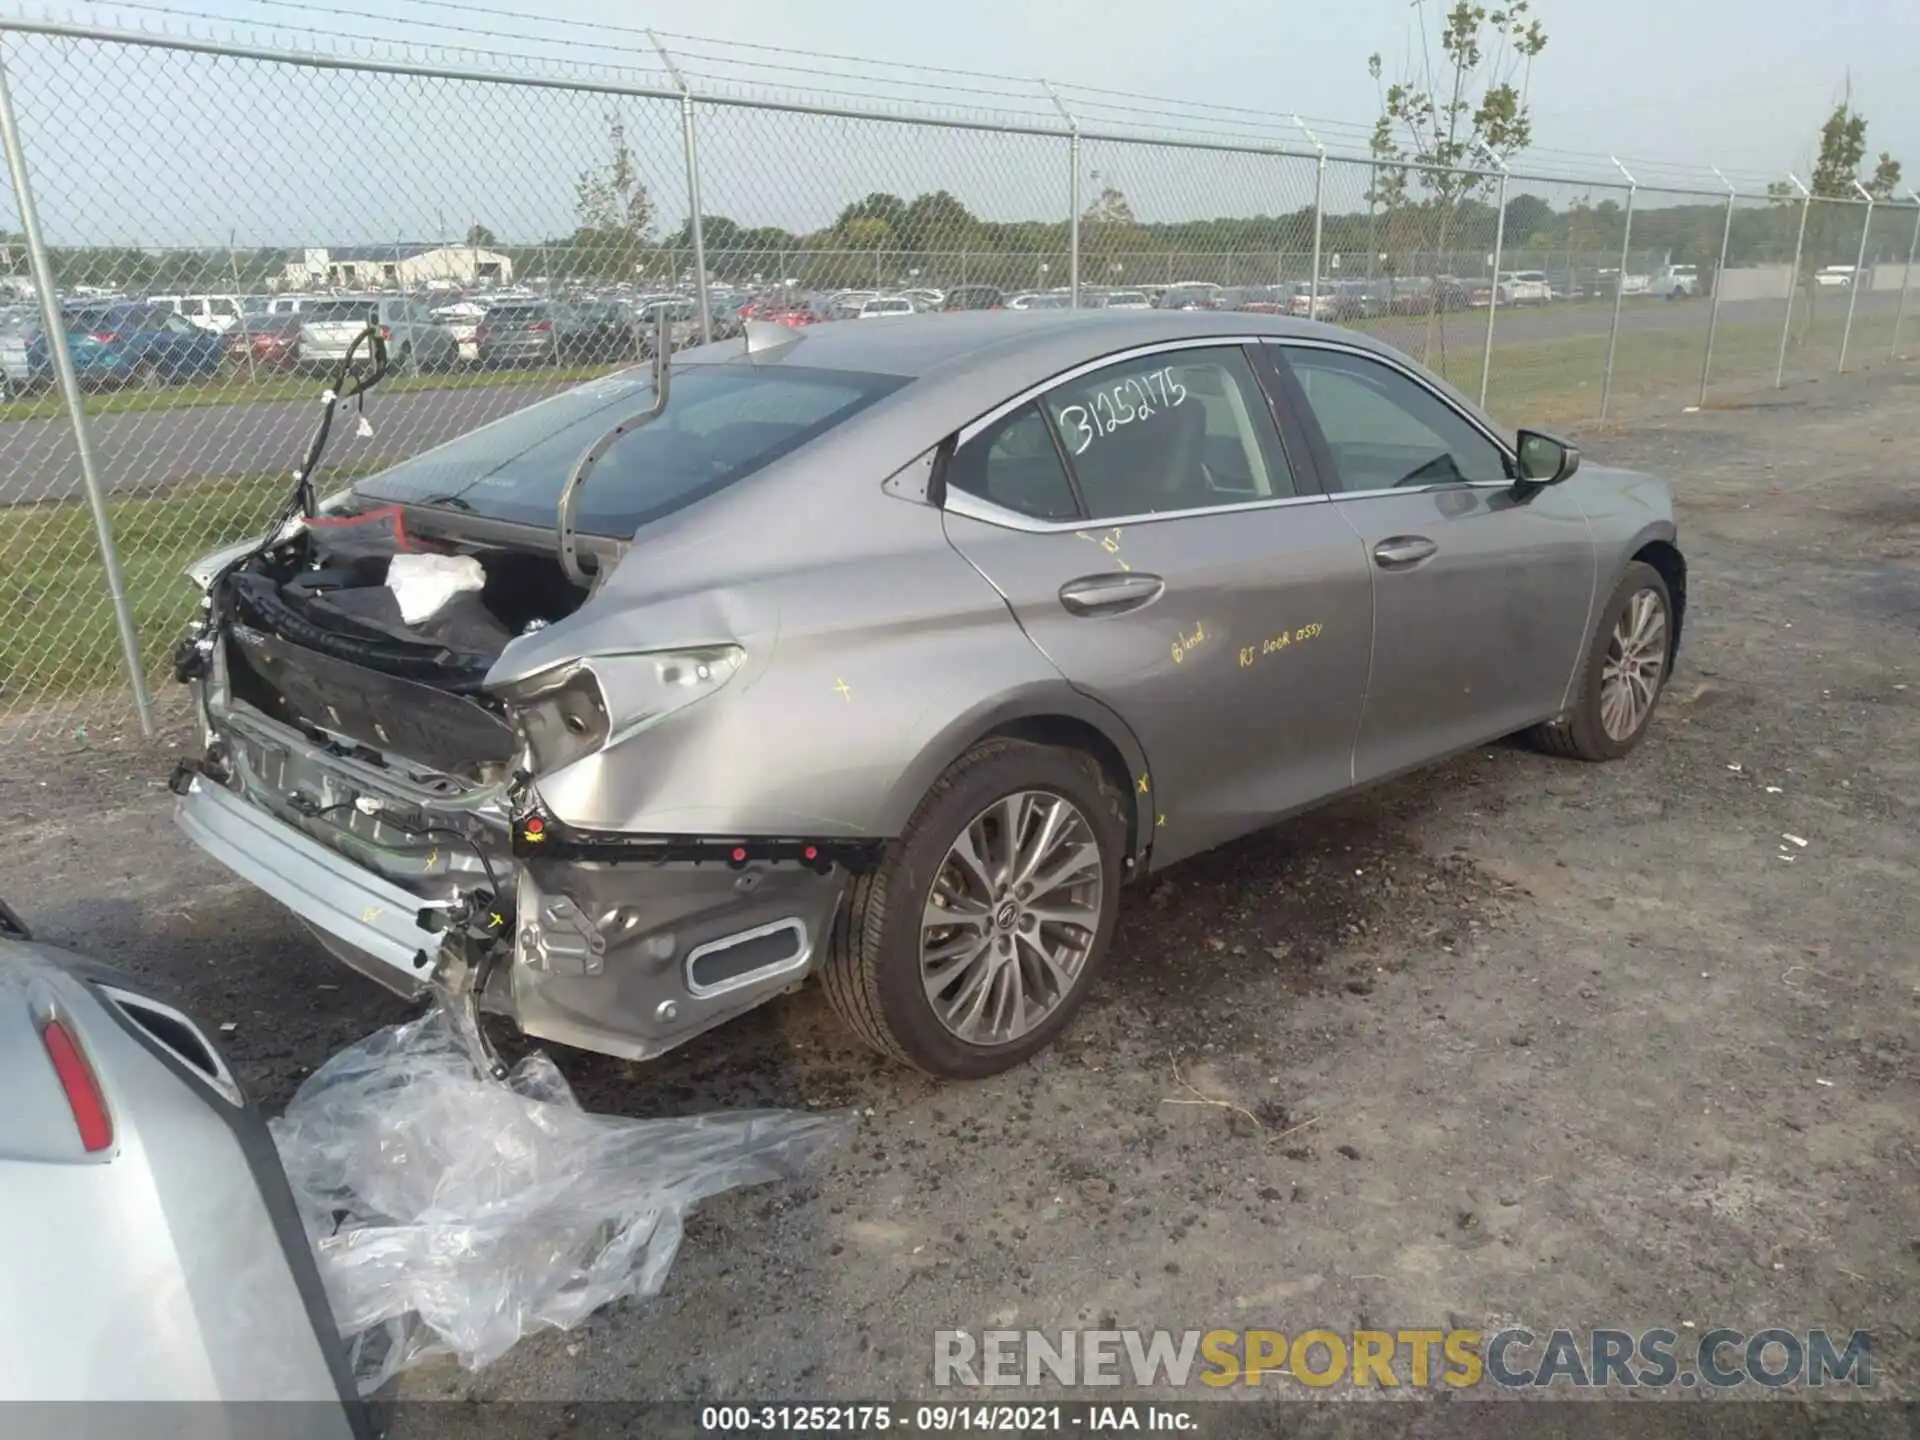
pixel 888 654
pixel 153 1251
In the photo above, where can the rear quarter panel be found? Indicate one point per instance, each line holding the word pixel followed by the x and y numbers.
pixel 875 656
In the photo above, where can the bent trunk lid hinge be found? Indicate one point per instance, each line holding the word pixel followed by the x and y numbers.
pixel 570 492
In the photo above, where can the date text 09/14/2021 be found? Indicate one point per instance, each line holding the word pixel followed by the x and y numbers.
pixel 949 1419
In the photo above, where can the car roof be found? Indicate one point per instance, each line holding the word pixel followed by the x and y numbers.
pixel 959 344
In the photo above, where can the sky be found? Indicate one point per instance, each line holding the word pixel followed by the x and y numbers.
pixel 1672 88
pixel 1739 84
pixel 1742 84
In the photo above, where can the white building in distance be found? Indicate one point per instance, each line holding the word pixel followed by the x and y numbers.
pixel 396 267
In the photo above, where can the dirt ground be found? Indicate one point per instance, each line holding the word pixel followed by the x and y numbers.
pixel 1514 1041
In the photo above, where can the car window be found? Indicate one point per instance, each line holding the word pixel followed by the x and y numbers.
pixel 1385 430
pixel 722 422
pixel 178 325
pixel 1177 430
pixel 224 307
pixel 1014 464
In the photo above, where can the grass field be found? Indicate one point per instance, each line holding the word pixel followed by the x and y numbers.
pixel 57 636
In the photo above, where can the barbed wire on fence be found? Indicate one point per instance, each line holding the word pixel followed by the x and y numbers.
pixel 199 243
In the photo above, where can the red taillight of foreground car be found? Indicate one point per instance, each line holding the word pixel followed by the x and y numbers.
pixel 543 326
pixel 104 337
pixel 89 1106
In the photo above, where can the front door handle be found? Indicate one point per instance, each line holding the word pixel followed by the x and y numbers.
pixel 1402 552
pixel 1110 594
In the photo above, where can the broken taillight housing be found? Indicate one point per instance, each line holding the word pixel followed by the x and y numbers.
pixel 577 708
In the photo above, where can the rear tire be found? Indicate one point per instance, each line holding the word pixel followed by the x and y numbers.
pixel 147 376
pixel 875 972
pixel 1583 733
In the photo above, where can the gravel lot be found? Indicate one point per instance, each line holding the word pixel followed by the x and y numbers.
pixel 1516 1040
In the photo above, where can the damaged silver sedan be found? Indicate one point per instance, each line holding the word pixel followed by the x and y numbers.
pixel 887 654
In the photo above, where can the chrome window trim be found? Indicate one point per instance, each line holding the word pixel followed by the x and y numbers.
pixel 1506 450
pixel 959 502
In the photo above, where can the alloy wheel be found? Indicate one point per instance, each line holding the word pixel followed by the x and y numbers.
pixel 1635 665
pixel 1011 917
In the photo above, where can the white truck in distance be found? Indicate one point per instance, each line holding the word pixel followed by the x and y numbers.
pixel 1675 282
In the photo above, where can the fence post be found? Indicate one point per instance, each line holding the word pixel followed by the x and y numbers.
pixel 1713 315
pixel 1859 264
pixel 1319 215
pixel 1906 276
pixel 1619 291
pixel 695 224
pixel 1073 196
pixel 1493 289
pixel 1793 277
pixel 240 321
pixel 50 316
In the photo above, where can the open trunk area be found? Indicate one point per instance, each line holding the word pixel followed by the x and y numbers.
pixel 357 631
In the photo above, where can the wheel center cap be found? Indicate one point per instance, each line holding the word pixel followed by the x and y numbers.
pixel 1007 916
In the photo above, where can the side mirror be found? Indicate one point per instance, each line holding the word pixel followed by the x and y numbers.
pixel 1543 461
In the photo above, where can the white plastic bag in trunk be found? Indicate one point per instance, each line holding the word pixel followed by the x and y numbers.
pixel 423 584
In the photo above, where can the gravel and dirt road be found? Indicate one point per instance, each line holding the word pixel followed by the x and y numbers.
pixel 1513 1041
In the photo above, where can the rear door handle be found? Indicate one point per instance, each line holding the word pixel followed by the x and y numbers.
pixel 1110 594
pixel 1402 552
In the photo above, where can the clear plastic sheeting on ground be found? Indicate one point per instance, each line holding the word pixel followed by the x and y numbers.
pixel 453 1213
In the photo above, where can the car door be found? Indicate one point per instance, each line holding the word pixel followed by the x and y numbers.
pixel 1152 536
pixel 1480 601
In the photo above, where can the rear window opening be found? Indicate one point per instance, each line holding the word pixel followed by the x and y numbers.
pixel 722 423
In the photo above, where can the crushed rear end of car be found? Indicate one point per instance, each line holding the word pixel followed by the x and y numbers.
pixel 377 786
pixel 424 738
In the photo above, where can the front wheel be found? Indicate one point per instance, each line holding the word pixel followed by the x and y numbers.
pixel 1626 667
pixel 977 939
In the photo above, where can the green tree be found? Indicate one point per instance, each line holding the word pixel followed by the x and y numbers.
pixel 613 207
pixel 1109 207
pixel 1843 150
pixel 937 222
pixel 480 236
pixel 1466 107
pixel 717 233
pixel 873 220
pixel 1530 222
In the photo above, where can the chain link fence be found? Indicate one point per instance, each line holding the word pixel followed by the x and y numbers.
pixel 179 267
